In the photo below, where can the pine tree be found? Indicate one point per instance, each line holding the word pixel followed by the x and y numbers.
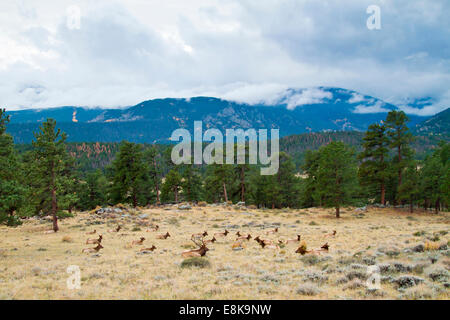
pixel 191 184
pixel 129 172
pixel 409 190
pixel 154 173
pixel 93 191
pixel 310 169
pixel 287 181
pixel 50 164
pixel 373 171
pixel 171 186
pixel 337 175
pixel 11 190
pixel 400 140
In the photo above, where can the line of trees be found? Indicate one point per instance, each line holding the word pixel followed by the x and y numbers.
pixel 45 180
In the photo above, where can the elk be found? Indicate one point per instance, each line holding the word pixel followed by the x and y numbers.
pixel 325 247
pixel 221 234
pixel 116 229
pixel 138 242
pixel 148 249
pixel 163 236
pixel 49 231
pixel 200 252
pixel 92 232
pixel 247 237
pixel 266 242
pixel 92 250
pixel 272 231
pixel 95 241
pixel 331 234
pixel 153 228
pixel 211 241
pixel 294 240
pixel 200 235
pixel 269 246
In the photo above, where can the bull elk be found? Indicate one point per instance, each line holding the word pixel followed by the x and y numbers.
pixel 116 229
pixel 163 236
pixel 92 250
pixel 138 242
pixel 148 249
pixel 221 234
pixel 294 240
pixel 95 241
pixel 200 252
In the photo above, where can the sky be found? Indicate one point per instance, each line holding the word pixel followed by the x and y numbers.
pixel 118 53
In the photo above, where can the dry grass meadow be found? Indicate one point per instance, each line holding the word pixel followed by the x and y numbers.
pixel 33 264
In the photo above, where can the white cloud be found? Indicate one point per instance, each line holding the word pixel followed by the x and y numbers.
pixel 307 96
pixel 375 108
pixel 244 50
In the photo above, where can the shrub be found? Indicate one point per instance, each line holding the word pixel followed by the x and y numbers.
pixel 197 262
pixel 67 239
pixel 431 246
pixel 308 289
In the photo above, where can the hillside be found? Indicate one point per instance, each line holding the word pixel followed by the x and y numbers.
pixel 294 111
pixel 436 126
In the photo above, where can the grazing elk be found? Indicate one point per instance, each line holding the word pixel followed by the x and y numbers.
pixel 92 232
pixel 200 252
pixel 116 229
pixel 153 228
pixel 148 249
pixel 211 241
pixel 92 250
pixel 95 241
pixel 163 236
pixel 221 234
pixel 272 231
pixel 138 242
pixel 294 240
pixel 247 237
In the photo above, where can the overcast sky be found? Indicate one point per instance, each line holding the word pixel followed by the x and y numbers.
pixel 124 52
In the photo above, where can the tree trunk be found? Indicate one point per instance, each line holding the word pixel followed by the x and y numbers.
pixel 242 185
pixel 338 215
pixel 134 200
pixel 176 195
pixel 436 206
pixel 54 206
pixel 411 206
pixel 156 182
pixel 383 194
pixel 225 192
pixel 399 167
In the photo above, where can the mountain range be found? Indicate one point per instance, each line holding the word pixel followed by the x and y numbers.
pixel 293 111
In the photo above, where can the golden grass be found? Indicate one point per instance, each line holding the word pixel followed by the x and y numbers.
pixel 33 265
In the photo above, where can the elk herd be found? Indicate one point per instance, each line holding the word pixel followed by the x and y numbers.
pixel 200 241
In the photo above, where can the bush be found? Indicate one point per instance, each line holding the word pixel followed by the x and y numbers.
pixel 308 289
pixel 197 262
pixel 64 214
pixel 13 221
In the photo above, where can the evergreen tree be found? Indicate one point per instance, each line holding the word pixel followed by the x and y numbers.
pixel 171 186
pixel 50 168
pixel 337 175
pixel 191 184
pixel 409 190
pixel 11 190
pixel 93 191
pixel 151 159
pixel 400 140
pixel 288 183
pixel 373 171
pixel 129 175
pixel 310 169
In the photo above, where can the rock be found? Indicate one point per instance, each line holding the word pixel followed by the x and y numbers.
pixel 184 207
pixel 238 249
pixel 361 209
pixel 143 216
pixel 419 248
pixel 240 203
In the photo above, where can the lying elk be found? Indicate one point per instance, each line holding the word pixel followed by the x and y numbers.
pixel 148 249
pixel 92 232
pixel 200 235
pixel 247 237
pixel 269 246
pixel 200 252
pixel 221 234
pixel 272 231
pixel 95 241
pixel 153 228
pixel 138 242
pixel 294 240
pixel 163 236
pixel 211 241
pixel 116 229
pixel 331 234
pixel 266 242
pixel 92 250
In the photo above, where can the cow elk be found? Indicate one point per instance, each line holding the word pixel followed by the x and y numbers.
pixel 211 240
pixel 95 241
pixel 221 234
pixel 116 229
pixel 272 231
pixel 138 242
pixel 163 236
pixel 153 228
pixel 92 232
pixel 294 240
pixel 266 242
pixel 247 237
pixel 148 249
pixel 92 250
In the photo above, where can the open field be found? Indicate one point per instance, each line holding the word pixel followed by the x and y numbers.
pixel 33 264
